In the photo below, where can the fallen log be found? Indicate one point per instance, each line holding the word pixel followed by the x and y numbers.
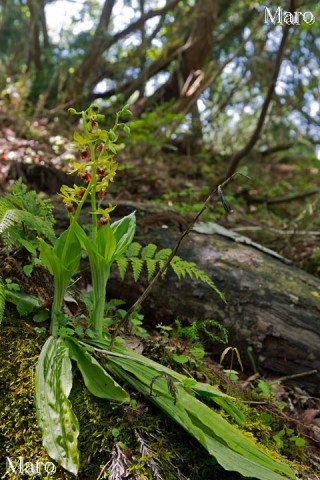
pixel 272 306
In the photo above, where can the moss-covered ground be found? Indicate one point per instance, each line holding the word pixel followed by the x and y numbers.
pixel 104 427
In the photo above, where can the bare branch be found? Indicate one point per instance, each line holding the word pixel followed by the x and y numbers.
pixel 285 198
pixel 101 42
pixel 185 103
pixel 237 157
pixel 166 264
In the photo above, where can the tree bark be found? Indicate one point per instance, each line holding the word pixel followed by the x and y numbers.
pixel 193 53
pixel 101 42
pixel 239 155
pixel 92 56
pixel 271 306
pixel 35 9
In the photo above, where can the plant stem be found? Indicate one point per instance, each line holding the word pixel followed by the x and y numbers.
pixel 99 284
pixel 74 221
pixel 93 196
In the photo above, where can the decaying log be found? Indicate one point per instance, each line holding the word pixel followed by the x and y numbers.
pixel 271 306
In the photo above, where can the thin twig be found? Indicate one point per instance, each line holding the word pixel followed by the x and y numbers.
pixel 286 198
pixel 237 156
pixel 297 375
pixel 166 264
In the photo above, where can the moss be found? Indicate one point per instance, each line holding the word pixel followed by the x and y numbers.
pixel 20 437
pixel 101 423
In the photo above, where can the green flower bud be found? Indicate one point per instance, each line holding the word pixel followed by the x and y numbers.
pixel 73 111
pixel 112 135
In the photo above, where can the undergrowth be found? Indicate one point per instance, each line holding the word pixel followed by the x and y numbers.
pixel 105 425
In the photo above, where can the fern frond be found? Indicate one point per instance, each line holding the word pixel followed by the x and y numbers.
pixel 17 217
pixel 163 254
pixel 21 199
pixel 151 266
pixel 148 251
pixel 122 264
pixel 23 217
pixel 8 217
pixel 152 259
pixel 181 267
pixel 133 250
pixel 2 299
pixel 137 265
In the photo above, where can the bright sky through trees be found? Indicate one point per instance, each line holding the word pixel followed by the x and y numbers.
pixel 74 16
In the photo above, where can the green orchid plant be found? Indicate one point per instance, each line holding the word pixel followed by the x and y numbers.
pixel 97 169
pixel 179 396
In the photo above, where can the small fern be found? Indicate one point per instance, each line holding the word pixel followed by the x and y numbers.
pixel 137 256
pixel 23 216
pixel 2 299
pixel 210 328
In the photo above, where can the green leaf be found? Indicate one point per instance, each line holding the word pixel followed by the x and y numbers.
pixel 230 408
pixel 151 266
pixel 197 352
pixel 180 358
pixel 232 449
pixel 27 270
pixel 79 139
pixel 226 443
pixel 58 423
pixel 148 251
pixel 41 316
pixel 189 382
pixel 113 148
pixel 24 303
pixel 12 286
pixel 122 264
pixel 163 254
pixel 106 242
pixel 28 246
pixel 126 130
pixel 133 250
pixel 71 258
pixel 137 265
pixel 124 231
pixel 300 442
pixel 97 380
pixel 49 259
pixel 100 267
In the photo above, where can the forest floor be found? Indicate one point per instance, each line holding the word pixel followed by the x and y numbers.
pixel 264 209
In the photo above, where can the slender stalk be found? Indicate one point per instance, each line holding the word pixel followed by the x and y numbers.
pixel 74 221
pixel 99 284
pixel 166 264
pixel 93 196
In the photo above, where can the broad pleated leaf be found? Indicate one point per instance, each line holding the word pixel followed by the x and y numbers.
pixel 106 242
pixel 97 380
pixel 58 423
pixel 123 231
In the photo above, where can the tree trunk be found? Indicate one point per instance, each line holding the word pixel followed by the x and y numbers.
pixel 193 54
pixel 271 306
pixel 35 9
pixel 88 65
